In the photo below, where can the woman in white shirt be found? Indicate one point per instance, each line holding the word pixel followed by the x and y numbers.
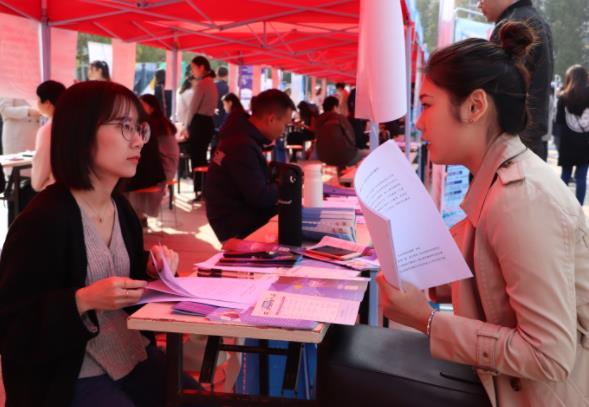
pixel 48 93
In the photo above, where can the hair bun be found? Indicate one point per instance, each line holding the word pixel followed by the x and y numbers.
pixel 517 38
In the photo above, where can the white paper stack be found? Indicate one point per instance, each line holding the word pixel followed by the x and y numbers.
pixel 238 293
pixel 412 242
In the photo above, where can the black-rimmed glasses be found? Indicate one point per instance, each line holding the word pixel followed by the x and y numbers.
pixel 129 128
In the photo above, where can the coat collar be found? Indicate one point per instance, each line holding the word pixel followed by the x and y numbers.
pixel 508 10
pixel 255 134
pixel 501 152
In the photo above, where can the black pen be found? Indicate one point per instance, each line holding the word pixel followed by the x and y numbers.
pixel 219 273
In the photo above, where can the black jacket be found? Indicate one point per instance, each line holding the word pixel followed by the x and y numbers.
pixel 540 63
pixel 574 145
pixel 336 142
pixel 43 263
pixel 240 196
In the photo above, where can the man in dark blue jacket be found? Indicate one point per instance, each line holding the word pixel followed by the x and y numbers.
pixel 540 63
pixel 240 195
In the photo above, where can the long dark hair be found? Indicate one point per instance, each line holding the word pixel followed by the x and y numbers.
pixel 498 69
pixel 102 66
pixel 187 84
pixel 575 92
pixel 80 111
pixel 157 114
pixel 307 113
pixel 235 102
pixel 199 60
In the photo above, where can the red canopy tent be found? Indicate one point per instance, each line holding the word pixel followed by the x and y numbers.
pixel 312 37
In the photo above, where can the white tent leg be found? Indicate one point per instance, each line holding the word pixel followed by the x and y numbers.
pixel 408 119
pixel 45 43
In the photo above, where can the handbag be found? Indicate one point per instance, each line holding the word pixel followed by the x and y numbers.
pixel 373 366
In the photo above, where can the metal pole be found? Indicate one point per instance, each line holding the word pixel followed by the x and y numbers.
pixel 408 120
pixel 174 80
pixel 45 43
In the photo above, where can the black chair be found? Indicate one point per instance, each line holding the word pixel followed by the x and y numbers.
pixel 372 366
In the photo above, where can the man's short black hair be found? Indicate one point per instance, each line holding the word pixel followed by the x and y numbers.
pixel 330 103
pixel 340 85
pixel 222 72
pixel 50 91
pixel 271 101
pixel 79 112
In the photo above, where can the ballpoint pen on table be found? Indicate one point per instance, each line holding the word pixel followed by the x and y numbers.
pixel 219 273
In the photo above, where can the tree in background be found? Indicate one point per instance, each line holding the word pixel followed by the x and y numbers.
pixel 429 10
pixel 568 19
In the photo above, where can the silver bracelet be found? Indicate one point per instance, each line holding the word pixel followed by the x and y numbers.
pixel 428 329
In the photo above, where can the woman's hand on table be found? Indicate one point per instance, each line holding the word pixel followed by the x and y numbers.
pixel 109 294
pixel 408 306
pixel 157 252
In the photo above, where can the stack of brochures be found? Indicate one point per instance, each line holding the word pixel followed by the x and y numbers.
pixel 343 253
pixel 294 303
pixel 234 293
pixel 336 222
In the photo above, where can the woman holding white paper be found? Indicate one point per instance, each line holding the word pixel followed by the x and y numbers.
pixel 523 320
pixel 73 263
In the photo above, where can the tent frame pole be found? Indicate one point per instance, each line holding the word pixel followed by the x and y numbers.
pixel 408 55
pixel 45 43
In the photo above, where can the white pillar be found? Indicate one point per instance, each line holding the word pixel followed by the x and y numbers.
pixel 45 43
pixel 276 77
pixel 256 80
pixel 233 78
pixel 408 55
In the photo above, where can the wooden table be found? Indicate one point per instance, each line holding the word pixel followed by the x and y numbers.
pixel 158 317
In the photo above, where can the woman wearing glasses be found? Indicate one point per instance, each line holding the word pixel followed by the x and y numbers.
pixel 73 263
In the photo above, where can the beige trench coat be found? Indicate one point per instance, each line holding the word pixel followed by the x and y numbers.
pixel 526 240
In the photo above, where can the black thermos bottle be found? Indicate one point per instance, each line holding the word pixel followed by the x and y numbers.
pixel 290 206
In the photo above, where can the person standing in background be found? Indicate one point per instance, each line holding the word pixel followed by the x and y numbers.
pixel 200 116
pixel 540 63
pixel 41 175
pixel 572 121
pixel 342 94
pixel 159 91
pixel 98 71
pixel 222 90
pixel 183 99
pixel 21 122
pixel 359 125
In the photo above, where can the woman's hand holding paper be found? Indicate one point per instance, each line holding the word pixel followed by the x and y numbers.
pixel 109 294
pixel 408 306
pixel 155 264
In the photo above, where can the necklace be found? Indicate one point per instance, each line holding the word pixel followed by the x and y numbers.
pixel 97 215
